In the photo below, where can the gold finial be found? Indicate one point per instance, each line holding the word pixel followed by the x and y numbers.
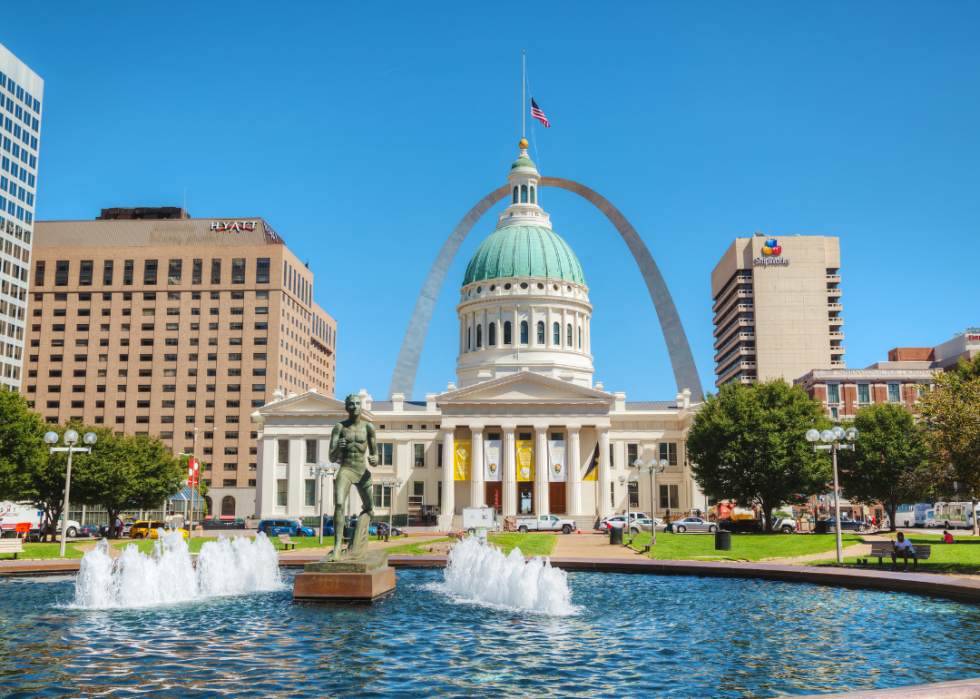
pixel 523 144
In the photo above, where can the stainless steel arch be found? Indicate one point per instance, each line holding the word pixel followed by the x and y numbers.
pixel 681 359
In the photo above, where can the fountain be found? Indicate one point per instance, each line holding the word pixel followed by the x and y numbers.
pixel 228 566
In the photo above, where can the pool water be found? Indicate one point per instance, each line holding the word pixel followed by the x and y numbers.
pixel 635 636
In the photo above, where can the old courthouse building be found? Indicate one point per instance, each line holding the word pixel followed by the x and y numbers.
pixel 147 321
pixel 520 425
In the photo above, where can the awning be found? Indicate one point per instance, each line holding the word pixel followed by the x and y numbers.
pixel 186 493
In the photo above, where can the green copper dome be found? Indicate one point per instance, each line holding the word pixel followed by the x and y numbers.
pixel 523 161
pixel 524 251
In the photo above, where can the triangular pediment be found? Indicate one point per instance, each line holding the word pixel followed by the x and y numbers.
pixel 309 403
pixel 525 387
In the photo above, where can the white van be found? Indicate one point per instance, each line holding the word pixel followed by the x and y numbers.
pixel 905 516
pixel 14 513
pixel 953 515
pixel 921 509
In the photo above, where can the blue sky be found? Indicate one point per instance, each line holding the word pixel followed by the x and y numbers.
pixel 363 133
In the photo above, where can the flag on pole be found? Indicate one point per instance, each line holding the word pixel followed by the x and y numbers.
pixel 538 114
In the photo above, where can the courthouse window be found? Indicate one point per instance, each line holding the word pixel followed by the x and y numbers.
pixel 281 485
pixel 311 451
pixel 385 452
pixel 284 451
pixel 668 451
pixel 419 455
pixel 310 499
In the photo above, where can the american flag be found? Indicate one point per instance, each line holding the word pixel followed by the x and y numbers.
pixel 538 114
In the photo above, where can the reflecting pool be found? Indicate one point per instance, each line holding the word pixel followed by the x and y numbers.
pixel 634 636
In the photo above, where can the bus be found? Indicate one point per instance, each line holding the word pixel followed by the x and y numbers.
pixel 921 517
pixel 953 515
pixel 905 516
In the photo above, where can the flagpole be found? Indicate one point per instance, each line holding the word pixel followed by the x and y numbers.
pixel 523 94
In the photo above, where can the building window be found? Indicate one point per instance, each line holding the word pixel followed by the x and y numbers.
pixel 262 267
pixel 668 451
pixel 634 493
pixel 833 393
pixel 523 332
pixel 894 393
pixel 128 271
pixel 85 273
pixel 149 272
pixel 669 497
pixel 385 452
pixel 556 333
pixel 284 451
pixel 439 457
pixel 61 273
pixel 281 485
pixel 524 194
pixel 632 453
pixel 540 332
pixel 491 335
pixel 310 499
pixel 311 451
pixel 197 268
pixel 419 461
pixel 215 271
pixel 238 270
pixel 107 273
pixel 580 338
pixel 507 340
pixel 173 275
pixel 382 496
pixel 39 273
pixel 864 393
pixel 479 336
pixel 515 194
pixel 833 413
pixel 568 335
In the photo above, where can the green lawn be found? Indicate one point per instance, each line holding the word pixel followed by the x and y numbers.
pixel 45 551
pixel 749 547
pixel 529 544
pixel 961 557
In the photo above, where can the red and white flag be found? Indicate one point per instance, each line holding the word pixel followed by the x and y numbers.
pixel 192 472
pixel 538 114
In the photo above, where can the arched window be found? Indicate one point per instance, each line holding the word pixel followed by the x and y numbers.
pixel 532 195
pixel 524 194
pixel 580 338
pixel 479 336
pixel 491 334
pixel 556 332
pixel 569 334
pixel 523 332
pixel 507 333
pixel 469 338
pixel 515 193
pixel 540 332
pixel 227 506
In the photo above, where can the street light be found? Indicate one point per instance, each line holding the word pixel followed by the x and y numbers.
pixel 831 442
pixel 71 439
pixel 319 470
pixel 651 468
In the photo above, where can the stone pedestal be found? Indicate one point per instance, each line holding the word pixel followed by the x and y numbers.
pixel 363 580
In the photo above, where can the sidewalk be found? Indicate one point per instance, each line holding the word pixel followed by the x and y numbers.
pixel 590 545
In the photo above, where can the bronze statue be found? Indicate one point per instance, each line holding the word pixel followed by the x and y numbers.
pixel 353 445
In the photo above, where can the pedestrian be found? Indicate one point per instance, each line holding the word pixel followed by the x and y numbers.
pixel 119 528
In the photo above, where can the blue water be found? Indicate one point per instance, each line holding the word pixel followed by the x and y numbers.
pixel 637 636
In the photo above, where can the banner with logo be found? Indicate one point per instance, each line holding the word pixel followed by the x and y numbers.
pixel 557 468
pixel 525 460
pixel 492 464
pixel 461 460
pixel 193 472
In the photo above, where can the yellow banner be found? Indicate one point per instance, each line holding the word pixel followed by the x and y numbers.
pixel 461 460
pixel 593 474
pixel 525 460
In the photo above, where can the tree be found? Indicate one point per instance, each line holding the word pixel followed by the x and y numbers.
pixel 968 370
pixel 952 417
pixel 890 461
pixel 127 472
pixel 22 447
pixel 43 478
pixel 748 443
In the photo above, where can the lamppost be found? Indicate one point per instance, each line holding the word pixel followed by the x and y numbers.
pixel 627 480
pixel 319 470
pixel 651 468
pixel 831 442
pixel 389 482
pixel 71 439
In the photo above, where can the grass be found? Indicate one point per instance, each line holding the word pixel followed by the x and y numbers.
pixel 961 557
pixel 45 551
pixel 529 544
pixel 746 547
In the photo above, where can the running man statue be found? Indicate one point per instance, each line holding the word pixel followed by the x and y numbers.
pixel 353 445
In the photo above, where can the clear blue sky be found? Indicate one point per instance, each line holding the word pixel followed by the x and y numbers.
pixel 364 132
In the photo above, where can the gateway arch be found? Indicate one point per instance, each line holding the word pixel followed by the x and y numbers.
pixel 681 360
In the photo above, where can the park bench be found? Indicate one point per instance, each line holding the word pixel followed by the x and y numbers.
pixel 13 546
pixel 286 542
pixel 883 549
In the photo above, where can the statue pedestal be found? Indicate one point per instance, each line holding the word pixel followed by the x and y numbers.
pixel 363 580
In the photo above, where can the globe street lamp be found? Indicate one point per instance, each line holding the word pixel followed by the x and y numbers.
pixel 319 470
pixel 389 482
pixel 71 439
pixel 651 468
pixel 832 442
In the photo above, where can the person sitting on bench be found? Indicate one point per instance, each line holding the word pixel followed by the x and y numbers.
pixel 903 547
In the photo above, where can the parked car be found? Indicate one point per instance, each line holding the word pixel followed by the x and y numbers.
pixel 786 525
pixel 274 527
pixel 89 530
pixel 128 523
pixel 328 528
pixel 73 528
pixel 829 526
pixel 545 523
pixel 146 529
pixel 224 524
pixel 383 530
pixel 694 524
pixel 646 525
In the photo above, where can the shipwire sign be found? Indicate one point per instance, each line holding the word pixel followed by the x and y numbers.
pixel 771 255
pixel 769 261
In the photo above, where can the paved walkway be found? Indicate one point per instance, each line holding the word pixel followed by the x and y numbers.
pixel 590 545
pixel 861 550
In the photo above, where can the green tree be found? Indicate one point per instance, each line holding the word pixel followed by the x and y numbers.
pixel 968 370
pixel 43 482
pixel 126 472
pixel 748 444
pixel 890 461
pixel 22 447
pixel 951 414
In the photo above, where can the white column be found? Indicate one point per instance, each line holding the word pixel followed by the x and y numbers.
pixel 482 317
pixel 574 461
pixel 549 335
pixel 448 482
pixel 605 508
pixel 265 478
pixel 297 464
pixel 477 489
pixel 509 487
pixel 542 464
pixel 515 336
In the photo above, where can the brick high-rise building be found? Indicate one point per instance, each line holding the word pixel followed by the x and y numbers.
pixel 148 321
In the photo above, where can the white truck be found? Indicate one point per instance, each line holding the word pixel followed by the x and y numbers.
pixel 545 523
pixel 477 518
